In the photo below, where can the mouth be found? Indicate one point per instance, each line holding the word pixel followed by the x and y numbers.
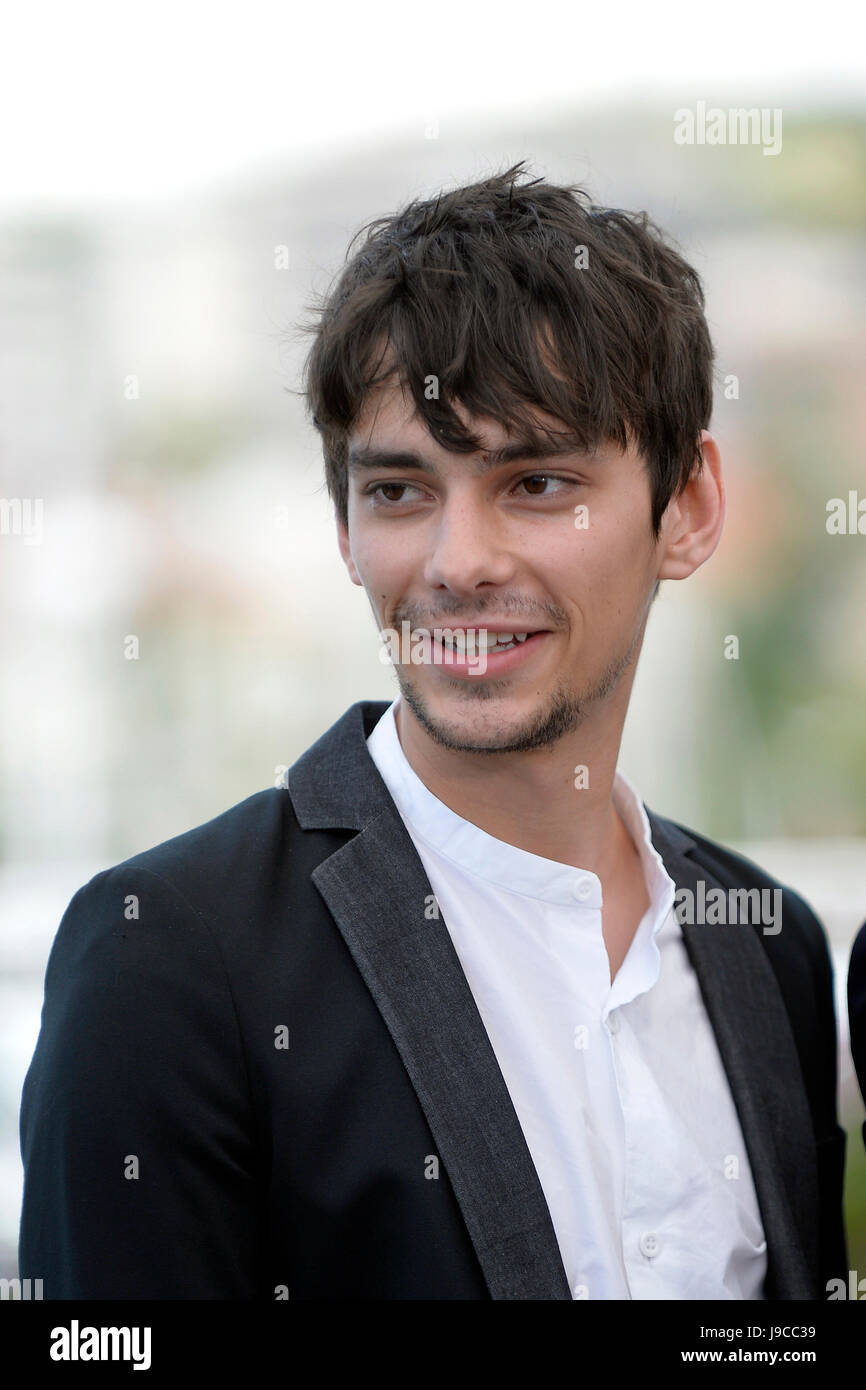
pixel 482 640
pixel 485 651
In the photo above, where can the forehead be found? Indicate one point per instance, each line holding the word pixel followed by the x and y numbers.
pixel 389 416
pixel 387 408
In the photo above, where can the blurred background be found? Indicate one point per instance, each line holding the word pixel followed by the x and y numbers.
pixel 174 188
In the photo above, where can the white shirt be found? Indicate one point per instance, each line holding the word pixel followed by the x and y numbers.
pixel 619 1087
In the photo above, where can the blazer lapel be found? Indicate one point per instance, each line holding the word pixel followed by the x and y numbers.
pixel 378 894
pixel 757 1047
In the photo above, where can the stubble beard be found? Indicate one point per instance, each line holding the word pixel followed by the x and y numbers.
pixel 561 713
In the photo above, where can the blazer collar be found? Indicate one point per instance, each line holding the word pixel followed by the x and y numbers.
pixel 380 898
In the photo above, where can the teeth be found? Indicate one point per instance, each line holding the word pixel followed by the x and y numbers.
pixel 485 641
pixel 506 639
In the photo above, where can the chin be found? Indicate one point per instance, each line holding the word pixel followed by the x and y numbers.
pixel 491 720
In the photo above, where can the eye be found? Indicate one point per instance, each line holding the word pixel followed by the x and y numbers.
pixel 378 488
pixel 543 478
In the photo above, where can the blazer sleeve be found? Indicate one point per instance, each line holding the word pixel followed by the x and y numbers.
pixel 141 1173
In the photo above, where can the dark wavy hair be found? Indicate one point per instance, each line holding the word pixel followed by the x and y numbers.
pixel 516 293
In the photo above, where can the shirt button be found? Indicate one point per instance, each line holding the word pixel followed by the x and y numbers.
pixel 649 1244
pixel 582 889
pixel 613 1023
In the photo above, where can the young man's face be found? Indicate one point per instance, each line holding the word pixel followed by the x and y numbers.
pixel 458 544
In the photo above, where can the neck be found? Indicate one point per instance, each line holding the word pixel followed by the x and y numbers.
pixel 529 799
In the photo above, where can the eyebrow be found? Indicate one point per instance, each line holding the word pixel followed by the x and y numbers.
pixel 363 458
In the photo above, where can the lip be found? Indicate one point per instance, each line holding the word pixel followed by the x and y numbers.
pixel 477 626
pixel 497 663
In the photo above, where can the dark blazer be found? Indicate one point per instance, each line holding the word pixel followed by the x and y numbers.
pixel 173 1150
pixel 857 1010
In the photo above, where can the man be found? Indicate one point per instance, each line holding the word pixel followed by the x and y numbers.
pixel 426 1023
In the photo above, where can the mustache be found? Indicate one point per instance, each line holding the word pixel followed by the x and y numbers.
pixel 501 613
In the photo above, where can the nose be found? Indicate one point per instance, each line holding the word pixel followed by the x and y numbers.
pixel 469 547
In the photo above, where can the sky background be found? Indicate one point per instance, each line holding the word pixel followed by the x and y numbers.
pixel 112 100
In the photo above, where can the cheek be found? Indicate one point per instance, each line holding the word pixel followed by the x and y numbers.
pixel 367 557
pixel 586 562
pixel 597 574
pixel 382 564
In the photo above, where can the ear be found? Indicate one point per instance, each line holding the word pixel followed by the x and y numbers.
pixel 692 523
pixel 346 552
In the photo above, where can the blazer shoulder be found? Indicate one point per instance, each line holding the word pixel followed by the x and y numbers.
pixel 251 832
pixel 736 870
pixel 213 880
